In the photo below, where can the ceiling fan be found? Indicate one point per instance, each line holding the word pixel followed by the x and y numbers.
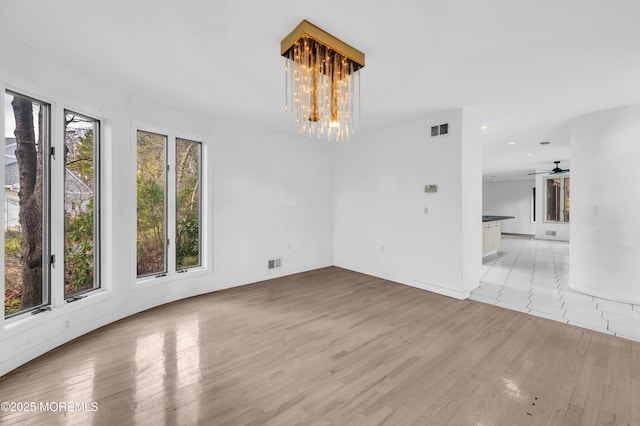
pixel 556 170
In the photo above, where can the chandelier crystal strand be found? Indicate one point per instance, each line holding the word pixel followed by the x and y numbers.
pixel 292 83
pixel 351 97
pixel 359 113
pixel 335 101
pixel 317 88
pixel 304 69
pixel 344 97
pixel 327 85
pixel 293 72
pixel 299 84
pixel 286 86
pixel 309 82
pixel 295 80
pixel 302 88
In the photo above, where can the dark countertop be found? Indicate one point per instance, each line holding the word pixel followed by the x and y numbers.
pixel 494 218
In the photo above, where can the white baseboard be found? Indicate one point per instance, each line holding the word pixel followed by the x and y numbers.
pixel 623 298
pixel 57 334
pixel 460 295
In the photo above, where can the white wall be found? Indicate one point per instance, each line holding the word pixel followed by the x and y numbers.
pixel 510 198
pixel 605 229
pixel 471 206
pixel 380 225
pixel 268 194
pixel 272 198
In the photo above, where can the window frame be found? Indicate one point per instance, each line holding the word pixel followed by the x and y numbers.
pixel 562 204
pixel 172 271
pixel 97 203
pixel 166 231
pixel 200 207
pixel 47 260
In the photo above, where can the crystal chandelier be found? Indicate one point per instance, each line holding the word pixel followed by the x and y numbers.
pixel 320 82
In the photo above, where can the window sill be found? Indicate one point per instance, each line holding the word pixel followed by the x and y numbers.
pixel 153 281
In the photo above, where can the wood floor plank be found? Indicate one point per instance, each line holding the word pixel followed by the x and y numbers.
pixel 332 346
pixel 578 399
pixel 624 387
pixel 607 413
pixel 500 373
pixel 635 381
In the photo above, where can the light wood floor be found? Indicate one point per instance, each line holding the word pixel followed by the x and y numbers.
pixel 334 347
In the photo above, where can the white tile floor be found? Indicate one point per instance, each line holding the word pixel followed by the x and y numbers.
pixel 531 276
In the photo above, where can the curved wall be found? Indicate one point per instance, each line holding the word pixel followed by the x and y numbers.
pixel 605 204
pixel 267 195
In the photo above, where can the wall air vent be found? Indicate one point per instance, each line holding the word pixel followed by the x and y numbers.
pixel 545 143
pixel 441 129
pixel 275 263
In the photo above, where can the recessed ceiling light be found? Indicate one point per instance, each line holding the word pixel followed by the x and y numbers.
pixel 529 154
pixel 512 143
pixel 484 127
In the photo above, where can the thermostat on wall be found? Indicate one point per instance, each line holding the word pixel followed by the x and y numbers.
pixel 431 188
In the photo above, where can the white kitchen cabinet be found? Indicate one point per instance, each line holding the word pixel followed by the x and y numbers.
pixel 491 235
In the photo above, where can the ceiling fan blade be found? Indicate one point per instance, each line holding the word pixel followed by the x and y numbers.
pixel 555 171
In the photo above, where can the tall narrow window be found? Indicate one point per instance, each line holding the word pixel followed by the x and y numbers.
pixel 557 199
pixel 81 204
pixel 567 199
pixel 152 203
pixel 533 204
pixel 553 199
pixel 188 204
pixel 26 197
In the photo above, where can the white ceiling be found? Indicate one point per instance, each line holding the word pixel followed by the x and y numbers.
pixel 523 68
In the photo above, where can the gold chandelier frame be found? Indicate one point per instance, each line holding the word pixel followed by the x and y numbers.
pixel 306 28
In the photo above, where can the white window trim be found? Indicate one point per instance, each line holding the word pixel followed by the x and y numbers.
pixel 98 203
pixel 562 199
pixel 172 275
pixel 58 104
